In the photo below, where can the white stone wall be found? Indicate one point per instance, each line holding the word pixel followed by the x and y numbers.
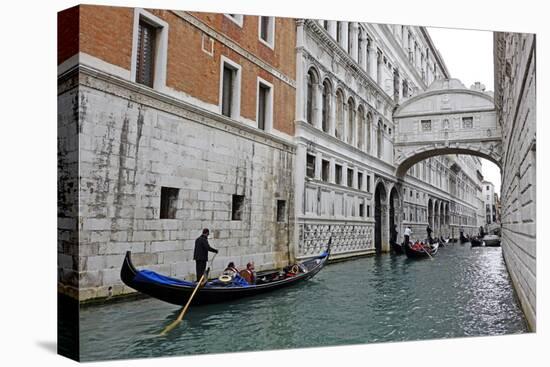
pixel 515 95
pixel 132 143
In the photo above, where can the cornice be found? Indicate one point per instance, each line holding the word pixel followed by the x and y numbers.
pixel 107 83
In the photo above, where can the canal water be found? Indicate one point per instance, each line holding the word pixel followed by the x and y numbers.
pixel 464 291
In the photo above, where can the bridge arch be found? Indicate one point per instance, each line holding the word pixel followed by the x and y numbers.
pixel 447 118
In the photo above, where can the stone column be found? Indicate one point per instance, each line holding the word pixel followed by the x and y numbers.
pixel 355 40
pixel 332 114
pixel 301 153
pixel 363 47
pixel 332 28
pixel 318 165
pixel 344 33
pixel 373 61
pixel 317 108
pixel 345 123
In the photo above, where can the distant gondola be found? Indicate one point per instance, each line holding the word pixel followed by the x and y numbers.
pixel 178 291
pixel 476 241
pixel 420 250
pixel 463 238
pixel 491 240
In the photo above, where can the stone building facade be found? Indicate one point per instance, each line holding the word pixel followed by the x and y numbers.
pixel 275 133
pixel 515 98
pixel 170 122
pixel 489 202
pixel 350 78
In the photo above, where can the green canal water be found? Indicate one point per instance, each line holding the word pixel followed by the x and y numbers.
pixel 464 291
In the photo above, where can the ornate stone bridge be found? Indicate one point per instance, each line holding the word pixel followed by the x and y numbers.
pixel 447 118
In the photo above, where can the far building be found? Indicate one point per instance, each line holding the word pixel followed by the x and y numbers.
pixel 489 201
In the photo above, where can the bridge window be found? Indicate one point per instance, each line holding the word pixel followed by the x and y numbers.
pixel 426 125
pixel 467 122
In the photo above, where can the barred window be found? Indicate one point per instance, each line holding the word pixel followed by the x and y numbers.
pixel 145 54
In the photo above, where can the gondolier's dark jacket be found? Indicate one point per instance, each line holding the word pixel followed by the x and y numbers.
pixel 201 249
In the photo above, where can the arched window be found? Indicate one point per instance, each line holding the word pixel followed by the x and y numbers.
pixel 327 90
pixel 361 128
pixel 312 81
pixel 339 115
pixel 380 139
pixel 351 120
pixel 369 129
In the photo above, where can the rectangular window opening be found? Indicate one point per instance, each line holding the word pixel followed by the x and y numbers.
pixel 325 170
pixel 281 213
pixel 310 166
pixel 263 105
pixel 338 174
pixel 237 206
pixel 350 177
pixel 168 202
pixel 229 76
pixel 145 61
pixel 359 180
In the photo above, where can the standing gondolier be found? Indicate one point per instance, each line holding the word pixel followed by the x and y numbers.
pixel 200 254
pixel 429 231
pixel 407 235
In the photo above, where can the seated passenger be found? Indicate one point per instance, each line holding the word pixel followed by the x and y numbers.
pixel 249 274
pixel 231 268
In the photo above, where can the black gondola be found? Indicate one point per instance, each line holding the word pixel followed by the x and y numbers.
pixel 463 238
pixel 476 242
pixel 416 253
pixel 177 291
pixel 442 242
pixel 397 248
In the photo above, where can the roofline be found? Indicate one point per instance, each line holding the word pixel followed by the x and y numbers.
pixel 436 52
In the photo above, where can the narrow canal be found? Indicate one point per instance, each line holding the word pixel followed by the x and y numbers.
pixel 464 291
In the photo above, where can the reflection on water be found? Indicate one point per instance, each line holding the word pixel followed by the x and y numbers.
pixel 464 291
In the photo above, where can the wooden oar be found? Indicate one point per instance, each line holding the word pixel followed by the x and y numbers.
pixel 184 310
pixel 426 251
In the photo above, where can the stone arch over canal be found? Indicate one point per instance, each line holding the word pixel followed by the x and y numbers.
pixel 447 118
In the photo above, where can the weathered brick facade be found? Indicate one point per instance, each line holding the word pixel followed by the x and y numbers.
pixel 515 97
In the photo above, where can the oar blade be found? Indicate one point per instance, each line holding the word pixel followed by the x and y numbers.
pixel 170 327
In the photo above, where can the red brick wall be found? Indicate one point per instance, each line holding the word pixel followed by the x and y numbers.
pixel 67 33
pixel 106 33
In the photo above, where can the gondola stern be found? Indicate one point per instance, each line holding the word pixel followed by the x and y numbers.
pixel 128 270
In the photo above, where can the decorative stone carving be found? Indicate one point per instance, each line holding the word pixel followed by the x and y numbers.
pixel 313 238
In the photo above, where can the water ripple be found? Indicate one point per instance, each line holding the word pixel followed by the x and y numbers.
pixel 463 292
